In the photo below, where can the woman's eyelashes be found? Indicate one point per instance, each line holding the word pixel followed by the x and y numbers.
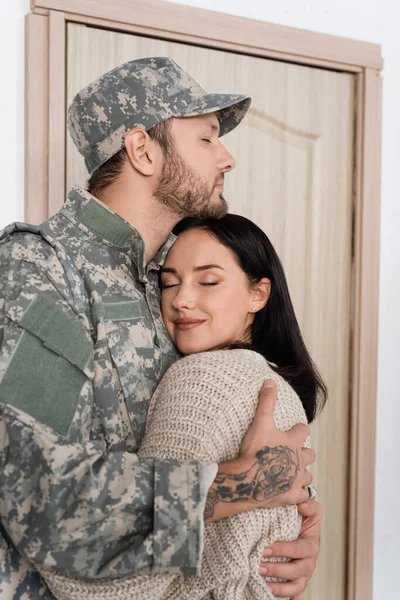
pixel 167 285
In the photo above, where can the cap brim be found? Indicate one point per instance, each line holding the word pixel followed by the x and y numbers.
pixel 229 109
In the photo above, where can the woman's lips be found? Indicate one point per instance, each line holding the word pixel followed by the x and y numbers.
pixel 185 325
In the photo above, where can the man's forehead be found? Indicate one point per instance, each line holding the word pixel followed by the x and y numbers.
pixel 208 120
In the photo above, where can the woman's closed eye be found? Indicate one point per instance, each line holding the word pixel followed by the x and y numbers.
pixel 169 284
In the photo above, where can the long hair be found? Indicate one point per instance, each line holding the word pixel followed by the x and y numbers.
pixel 275 332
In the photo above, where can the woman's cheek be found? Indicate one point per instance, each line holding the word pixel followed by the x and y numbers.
pixel 165 315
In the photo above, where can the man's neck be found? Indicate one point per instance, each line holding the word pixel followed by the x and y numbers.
pixel 153 221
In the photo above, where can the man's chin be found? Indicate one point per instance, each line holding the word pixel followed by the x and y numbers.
pixel 215 212
pixel 222 208
pixel 216 209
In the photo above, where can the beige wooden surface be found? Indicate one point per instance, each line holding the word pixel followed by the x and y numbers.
pixel 175 22
pixel 206 27
pixel 294 178
pixel 365 332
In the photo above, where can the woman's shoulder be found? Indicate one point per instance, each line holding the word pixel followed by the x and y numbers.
pixel 217 375
pixel 236 375
pixel 236 362
pixel 239 370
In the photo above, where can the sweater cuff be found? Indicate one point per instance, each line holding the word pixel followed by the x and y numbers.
pixel 180 493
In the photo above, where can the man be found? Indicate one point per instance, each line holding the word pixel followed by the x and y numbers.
pixel 83 347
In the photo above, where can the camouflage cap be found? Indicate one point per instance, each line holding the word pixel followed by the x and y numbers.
pixel 142 93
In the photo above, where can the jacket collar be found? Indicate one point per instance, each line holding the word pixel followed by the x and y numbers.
pixel 92 215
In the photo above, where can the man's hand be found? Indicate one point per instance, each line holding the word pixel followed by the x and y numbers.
pixel 303 553
pixel 271 469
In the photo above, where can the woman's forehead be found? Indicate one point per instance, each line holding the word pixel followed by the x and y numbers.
pixel 196 246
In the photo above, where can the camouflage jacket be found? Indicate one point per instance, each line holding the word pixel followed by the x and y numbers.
pixel 83 347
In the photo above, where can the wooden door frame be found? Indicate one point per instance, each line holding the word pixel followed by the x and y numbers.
pixel 45 178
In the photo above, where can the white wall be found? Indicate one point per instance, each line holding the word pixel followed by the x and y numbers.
pixel 12 109
pixel 370 20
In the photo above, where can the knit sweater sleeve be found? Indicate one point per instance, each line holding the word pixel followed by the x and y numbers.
pixel 201 410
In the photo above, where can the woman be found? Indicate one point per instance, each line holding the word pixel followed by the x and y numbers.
pixel 226 305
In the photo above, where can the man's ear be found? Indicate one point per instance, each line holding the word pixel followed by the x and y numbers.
pixel 140 149
pixel 260 294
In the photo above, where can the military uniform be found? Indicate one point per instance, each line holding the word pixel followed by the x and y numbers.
pixel 83 347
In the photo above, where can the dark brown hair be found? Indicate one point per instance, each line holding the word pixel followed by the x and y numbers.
pixel 275 332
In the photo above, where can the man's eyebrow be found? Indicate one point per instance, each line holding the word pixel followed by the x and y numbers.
pixel 213 127
pixel 196 269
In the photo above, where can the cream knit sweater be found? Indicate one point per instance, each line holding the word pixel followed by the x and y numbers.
pixel 201 410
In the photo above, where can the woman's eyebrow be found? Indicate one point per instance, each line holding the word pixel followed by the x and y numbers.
pixel 195 269
pixel 205 267
pixel 167 270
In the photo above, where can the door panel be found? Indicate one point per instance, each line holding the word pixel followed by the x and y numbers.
pixel 294 153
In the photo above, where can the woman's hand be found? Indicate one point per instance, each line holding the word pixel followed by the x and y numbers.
pixel 303 553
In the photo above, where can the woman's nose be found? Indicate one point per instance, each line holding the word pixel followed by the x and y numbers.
pixel 183 300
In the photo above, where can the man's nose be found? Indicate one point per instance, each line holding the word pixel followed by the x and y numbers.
pixel 226 162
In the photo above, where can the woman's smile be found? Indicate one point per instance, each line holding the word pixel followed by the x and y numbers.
pixel 186 324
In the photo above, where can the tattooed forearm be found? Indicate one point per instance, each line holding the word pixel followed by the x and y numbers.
pixel 272 473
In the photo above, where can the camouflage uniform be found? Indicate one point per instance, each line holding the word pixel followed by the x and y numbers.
pixel 83 347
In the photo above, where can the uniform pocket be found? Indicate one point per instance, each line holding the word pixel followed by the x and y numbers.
pixel 50 364
pixel 128 310
pixel 130 338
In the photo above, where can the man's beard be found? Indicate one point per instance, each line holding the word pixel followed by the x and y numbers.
pixel 184 192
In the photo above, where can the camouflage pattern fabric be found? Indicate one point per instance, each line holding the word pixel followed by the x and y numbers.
pixel 142 93
pixel 18 580
pixel 83 347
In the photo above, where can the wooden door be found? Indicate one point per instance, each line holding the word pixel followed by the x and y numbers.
pixel 294 153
